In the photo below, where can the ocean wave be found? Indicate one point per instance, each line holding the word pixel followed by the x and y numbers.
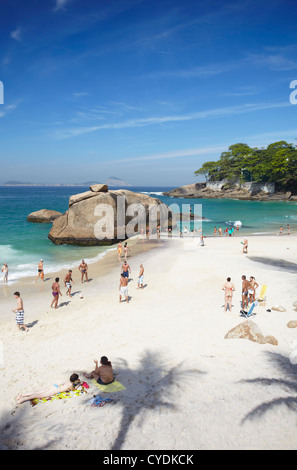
pixel 152 192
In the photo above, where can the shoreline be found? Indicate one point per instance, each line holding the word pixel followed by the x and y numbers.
pixel 96 270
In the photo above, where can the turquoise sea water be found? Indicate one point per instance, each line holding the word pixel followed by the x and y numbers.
pixel 22 243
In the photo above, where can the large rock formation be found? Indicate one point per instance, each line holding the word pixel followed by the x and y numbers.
pixel 102 217
pixel 43 216
pixel 218 190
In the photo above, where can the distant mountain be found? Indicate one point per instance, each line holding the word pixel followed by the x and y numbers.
pixel 115 181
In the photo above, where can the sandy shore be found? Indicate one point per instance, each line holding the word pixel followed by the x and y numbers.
pixel 186 386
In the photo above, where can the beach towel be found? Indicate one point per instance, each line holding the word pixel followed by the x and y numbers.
pixel 115 386
pixel 263 292
pixel 98 401
pixel 60 396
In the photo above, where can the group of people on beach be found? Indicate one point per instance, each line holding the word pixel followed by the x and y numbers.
pixel 248 292
pixel 68 281
pixel 229 231
pixel 103 375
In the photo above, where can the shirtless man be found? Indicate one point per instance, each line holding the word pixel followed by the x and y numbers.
pixel 126 270
pixel 56 292
pixel 229 288
pixel 83 268
pixel 67 282
pixel 140 277
pixel 103 374
pixel 5 272
pixel 19 311
pixel 123 288
pixel 40 270
pixel 245 291
pixel 52 390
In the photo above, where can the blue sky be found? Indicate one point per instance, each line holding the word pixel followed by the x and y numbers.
pixel 145 90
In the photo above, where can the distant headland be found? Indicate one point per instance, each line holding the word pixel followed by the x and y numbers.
pixel 242 172
pixel 111 181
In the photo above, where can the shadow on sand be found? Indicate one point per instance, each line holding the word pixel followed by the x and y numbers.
pixel 288 384
pixel 149 388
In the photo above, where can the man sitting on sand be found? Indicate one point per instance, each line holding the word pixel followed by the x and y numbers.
pixel 123 288
pixel 52 390
pixel 103 374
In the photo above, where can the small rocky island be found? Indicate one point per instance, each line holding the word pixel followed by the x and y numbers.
pixel 103 217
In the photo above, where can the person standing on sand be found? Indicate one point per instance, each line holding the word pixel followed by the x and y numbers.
pixel 220 231
pixel 67 282
pixel 83 268
pixel 288 229
pixel 140 277
pixel 126 250
pixel 123 288
pixel 120 250
pixel 245 291
pixel 56 292
pixel 4 269
pixel 229 288
pixel 19 311
pixel 126 270
pixel 40 271
pixel 245 246
pixel 252 289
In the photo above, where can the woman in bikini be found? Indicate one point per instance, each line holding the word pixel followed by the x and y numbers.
pixel 252 289
pixel 56 292
pixel 52 390
pixel 229 288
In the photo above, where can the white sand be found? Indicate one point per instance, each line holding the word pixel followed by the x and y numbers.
pixel 186 386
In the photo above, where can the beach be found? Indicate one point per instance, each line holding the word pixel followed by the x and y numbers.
pixel 186 386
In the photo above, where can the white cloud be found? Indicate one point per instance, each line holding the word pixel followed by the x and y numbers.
pixel 16 34
pixel 61 4
pixel 212 113
pixel 4 110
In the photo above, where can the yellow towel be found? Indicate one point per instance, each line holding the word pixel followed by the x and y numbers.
pixel 263 292
pixel 115 386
